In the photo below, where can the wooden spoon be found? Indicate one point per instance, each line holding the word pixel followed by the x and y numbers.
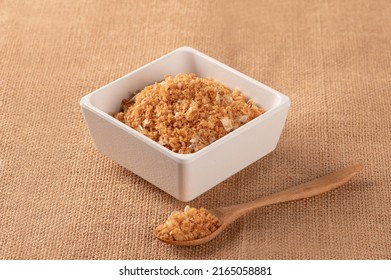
pixel 228 215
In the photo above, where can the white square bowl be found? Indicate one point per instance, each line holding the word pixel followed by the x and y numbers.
pixel 184 176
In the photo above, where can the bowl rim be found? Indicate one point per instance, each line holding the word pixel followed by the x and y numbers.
pixel 283 101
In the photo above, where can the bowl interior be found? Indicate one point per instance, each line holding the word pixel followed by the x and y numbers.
pixel 108 98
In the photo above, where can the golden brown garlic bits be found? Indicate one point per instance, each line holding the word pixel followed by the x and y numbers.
pixel 190 224
pixel 185 113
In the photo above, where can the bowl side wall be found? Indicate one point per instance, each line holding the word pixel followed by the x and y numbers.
pixel 134 154
pixel 231 156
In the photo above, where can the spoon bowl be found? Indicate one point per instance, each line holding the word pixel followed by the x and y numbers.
pixel 227 215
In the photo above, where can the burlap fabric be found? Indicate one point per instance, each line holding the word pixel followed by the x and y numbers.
pixel 61 199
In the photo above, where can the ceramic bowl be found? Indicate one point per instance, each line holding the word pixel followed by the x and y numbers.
pixel 184 176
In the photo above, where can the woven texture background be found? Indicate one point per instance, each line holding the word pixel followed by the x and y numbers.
pixel 61 199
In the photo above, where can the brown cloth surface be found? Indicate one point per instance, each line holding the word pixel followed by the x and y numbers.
pixel 61 199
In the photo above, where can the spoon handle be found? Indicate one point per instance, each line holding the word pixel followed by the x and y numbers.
pixel 305 190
